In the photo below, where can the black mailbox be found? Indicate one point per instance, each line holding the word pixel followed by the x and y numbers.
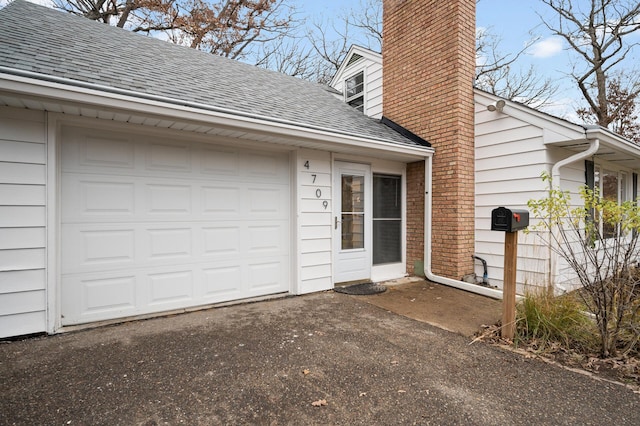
pixel 509 220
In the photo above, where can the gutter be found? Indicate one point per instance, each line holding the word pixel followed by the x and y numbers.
pixel 428 214
pixel 554 267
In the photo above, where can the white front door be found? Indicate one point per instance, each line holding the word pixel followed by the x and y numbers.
pixel 352 222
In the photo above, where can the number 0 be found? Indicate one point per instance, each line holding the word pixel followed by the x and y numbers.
pixel 318 193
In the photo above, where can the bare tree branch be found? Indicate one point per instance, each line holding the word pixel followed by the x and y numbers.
pixel 232 28
pixel 599 37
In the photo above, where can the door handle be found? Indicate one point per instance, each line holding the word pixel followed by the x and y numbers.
pixel 336 223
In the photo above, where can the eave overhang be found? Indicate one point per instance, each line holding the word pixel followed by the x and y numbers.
pixel 55 94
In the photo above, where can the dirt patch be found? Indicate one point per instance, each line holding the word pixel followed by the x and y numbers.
pixel 445 307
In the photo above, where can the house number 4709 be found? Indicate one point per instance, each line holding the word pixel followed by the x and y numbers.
pixel 314 176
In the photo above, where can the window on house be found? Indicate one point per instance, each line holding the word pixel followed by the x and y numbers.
pixel 387 219
pixel 354 91
pixel 613 186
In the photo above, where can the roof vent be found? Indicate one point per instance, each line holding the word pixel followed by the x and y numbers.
pixel 354 58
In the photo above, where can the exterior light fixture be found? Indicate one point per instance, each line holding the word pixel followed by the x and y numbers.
pixel 499 106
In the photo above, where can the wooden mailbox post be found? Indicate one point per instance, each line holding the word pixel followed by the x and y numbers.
pixel 509 221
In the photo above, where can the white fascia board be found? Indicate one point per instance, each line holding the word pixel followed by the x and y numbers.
pixel 69 93
pixel 555 125
pixel 614 141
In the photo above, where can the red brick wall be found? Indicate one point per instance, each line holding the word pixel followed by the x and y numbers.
pixel 429 58
pixel 415 217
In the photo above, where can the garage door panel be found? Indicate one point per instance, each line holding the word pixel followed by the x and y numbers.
pixel 98 296
pixel 169 225
pixel 91 247
pixel 88 196
pixel 220 162
pixel 113 294
pixel 265 276
pixel 168 199
pixel 222 282
pixel 266 167
pixel 172 243
pixel 82 151
pixel 171 288
pixel 169 157
pixel 221 201
pixel 266 238
pixel 266 201
pixel 221 241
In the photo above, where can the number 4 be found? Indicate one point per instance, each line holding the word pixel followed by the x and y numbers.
pixel 306 164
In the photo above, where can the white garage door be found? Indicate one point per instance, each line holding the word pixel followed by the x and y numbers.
pixel 153 225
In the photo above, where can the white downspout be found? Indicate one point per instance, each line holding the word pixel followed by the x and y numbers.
pixel 554 266
pixel 428 203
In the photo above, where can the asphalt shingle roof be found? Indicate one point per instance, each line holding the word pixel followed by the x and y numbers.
pixel 53 43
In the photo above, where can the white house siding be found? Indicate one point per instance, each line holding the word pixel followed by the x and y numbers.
pixel 510 158
pixel 372 84
pixel 22 221
pixel 314 220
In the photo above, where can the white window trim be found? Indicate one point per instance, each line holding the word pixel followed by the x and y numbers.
pixel 360 94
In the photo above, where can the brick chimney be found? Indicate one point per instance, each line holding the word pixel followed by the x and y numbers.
pixel 428 56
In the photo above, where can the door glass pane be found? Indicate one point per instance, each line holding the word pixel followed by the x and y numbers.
pixel 352 212
pixel 352 194
pixel 352 231
pixel 387 219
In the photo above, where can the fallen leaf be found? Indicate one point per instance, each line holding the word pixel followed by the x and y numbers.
pixel 305 371
pixel 362 394
pixel 402 391
pixel 319 403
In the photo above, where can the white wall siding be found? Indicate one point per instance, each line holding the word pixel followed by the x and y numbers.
pixel 314 220
pixel 372 70
pixel 510 158
pixel 22 221
pixel 374 90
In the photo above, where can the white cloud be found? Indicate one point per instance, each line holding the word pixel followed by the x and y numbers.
pixel 546 48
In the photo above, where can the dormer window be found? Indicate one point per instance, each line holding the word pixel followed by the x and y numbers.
pixel 354 91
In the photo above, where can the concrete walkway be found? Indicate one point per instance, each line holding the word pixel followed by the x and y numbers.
pixel 269 362
pixel 445 307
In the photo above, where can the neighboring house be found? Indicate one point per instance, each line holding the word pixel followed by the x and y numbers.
pixel 514 145
pixel 139 177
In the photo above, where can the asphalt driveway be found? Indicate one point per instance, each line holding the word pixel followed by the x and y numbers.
pixel 269 362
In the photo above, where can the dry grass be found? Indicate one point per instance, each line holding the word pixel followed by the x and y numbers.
pixel 546 321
